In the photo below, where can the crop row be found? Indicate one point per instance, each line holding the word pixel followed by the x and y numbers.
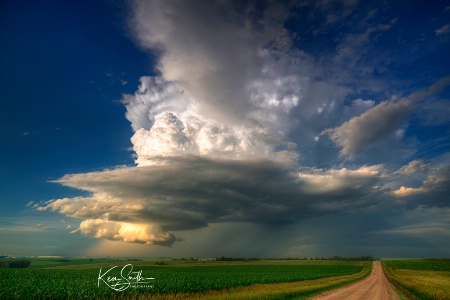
pixel 421 278
pixel 419 264
pixel 83 284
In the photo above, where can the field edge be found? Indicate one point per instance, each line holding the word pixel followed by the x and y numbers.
pixel 419 278
pixel 288 290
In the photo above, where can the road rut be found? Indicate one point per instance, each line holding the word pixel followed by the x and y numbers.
pixel 373 287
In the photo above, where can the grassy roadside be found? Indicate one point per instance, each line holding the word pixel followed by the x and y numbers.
pixel 400 291
pixel 288 290
pixel 420 278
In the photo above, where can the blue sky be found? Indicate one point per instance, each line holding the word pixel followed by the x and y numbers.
pixel 302 128
pixel 61 82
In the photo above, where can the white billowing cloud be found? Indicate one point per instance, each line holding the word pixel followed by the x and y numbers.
pixel 126 232
pixel 210 48
pixel 220 61
pixel 169 136
pixel 102 205
pixel 414 167
pixel 407 191
pixel 167 122
pixel 436 184
pixel 408 180
pixel 274 96
pixel 155 96
pixel 440 176
pixel 332 181
pixel 226 87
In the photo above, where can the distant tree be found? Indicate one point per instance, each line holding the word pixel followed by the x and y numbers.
pixel 19 264
pixel 223 258
pixel 4 264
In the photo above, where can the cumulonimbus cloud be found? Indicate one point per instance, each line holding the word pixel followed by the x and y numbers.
pixel 192 192
pixel 167 123
pixel 212 49
pixel 144 204
pixel 212 133
pixel 226 86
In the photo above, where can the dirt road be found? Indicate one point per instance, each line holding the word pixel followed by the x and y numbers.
pixel 373 287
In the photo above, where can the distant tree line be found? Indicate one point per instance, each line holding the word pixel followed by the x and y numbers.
pixel 15 263
pixel 357 258
pixel 223 258
pixel 188 259
pixel 364 258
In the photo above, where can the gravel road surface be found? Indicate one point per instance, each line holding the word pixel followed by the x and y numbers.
pixel 373 287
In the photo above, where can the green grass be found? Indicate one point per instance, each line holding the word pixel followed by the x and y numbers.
pixel 419 264
pixel 276 291
pixel 75 282
pixel 421 278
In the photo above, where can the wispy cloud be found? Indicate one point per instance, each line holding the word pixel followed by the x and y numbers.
pixel 377 123
pixel 444 29
pixel 374 125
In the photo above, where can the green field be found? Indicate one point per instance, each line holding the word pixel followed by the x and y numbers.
pixel 78 278
pixel 421 278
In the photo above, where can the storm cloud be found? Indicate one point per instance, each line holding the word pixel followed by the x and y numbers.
pixel 227 130
pixel 193 192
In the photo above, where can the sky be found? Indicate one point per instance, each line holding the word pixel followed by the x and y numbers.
pixel 225 128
